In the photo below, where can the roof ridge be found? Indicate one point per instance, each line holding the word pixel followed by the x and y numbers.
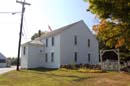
pixel 69 25
pixel 55 32
pixel 59 30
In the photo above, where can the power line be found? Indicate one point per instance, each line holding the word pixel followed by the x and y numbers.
pixel 13 13
pixel 24 34
pixel 26 26
pixel 25 31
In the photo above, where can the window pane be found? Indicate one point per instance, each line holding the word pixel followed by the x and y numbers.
pixel 46 42
pixel 89 57
pixel 52 41
pixel 52 57
pixel 75 56
pixel 75 40
pixel 24 50
pixel 88 42
pixel 46 57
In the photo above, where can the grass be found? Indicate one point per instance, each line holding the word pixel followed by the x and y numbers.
pixel 63 77
pixel 90 71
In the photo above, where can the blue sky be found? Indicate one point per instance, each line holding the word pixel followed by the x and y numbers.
pixel 56 13
pixel 62 12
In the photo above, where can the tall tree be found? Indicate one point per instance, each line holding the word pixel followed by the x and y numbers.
pixel 34 36
pixel 38 34
pixel 114 26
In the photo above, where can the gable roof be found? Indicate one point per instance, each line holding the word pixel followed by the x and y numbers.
pixel 58 31
pixel 2 56
pixel 50 34
pixel 34 42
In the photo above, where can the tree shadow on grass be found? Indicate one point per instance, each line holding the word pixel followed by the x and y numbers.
pixel 38 70
pixel 77 78
pixel 43 69
pixel 47 72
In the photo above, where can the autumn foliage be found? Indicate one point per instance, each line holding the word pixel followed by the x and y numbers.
pixel 114 26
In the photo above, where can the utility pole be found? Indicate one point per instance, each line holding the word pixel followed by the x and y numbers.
pixel 20 33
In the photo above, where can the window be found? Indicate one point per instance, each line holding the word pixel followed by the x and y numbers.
pixel 89 55
pixel 75 56
pixel 2 61
pixel 52 40
pixel 52 57
pixel 88 42
pixel 24 50
pixel 75 40
pixel 46 57
pixel 40 51
pixel 46 42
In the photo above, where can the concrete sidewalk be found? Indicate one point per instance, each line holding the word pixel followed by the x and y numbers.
pixel 4 70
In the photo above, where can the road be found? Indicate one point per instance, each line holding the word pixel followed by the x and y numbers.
pixel 4 70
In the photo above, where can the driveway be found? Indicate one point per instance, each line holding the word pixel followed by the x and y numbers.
pixel 4 70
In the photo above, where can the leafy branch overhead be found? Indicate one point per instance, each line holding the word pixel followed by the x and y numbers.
pixel 114 26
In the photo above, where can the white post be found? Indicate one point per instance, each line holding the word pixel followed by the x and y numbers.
pixel 101 58
pixel 118 60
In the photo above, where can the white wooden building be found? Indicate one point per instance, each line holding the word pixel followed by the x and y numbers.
pixel 71 44
pixel 2 61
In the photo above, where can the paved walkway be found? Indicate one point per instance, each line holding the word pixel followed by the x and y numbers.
pixel 4 70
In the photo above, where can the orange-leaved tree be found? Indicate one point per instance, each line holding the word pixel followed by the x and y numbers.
pixel 114 26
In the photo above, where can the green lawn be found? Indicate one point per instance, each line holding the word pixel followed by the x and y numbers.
pixel 60 77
